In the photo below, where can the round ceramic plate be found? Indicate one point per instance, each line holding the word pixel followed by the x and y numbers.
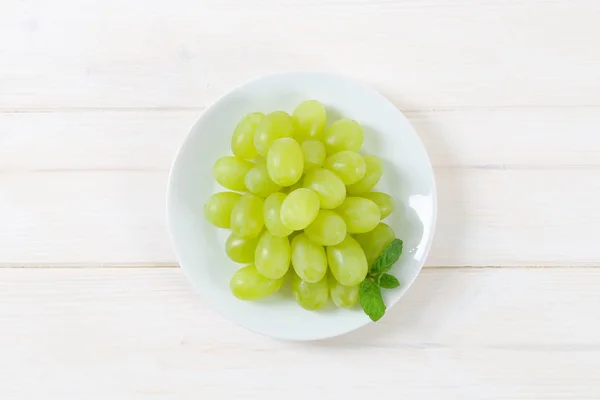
pixel 200 247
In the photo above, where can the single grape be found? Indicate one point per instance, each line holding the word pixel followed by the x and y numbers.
pixel 240 249
pixel 310 296
pixel 248 284
pixel 299 209
pixel 272 213
pixel 314 154
pixel 360 215
pixel 217 209
pixel 327 185
pixel 342 296
pixel 242 141
pixel 384 201
pixel 328 228
pixel 309 120
pixel 343 134
pixel 308 259
pixel 347 262
pixel 272 256
pixel 230 172
pixel 375 241
pixel 274 126
pixel 348 165
pixel 259 182
pixel 247 216
pixel 372 176
pixel 285 162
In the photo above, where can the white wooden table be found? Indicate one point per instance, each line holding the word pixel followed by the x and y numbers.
pixel 95 97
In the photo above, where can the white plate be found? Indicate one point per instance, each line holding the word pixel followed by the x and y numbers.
pixel 199 246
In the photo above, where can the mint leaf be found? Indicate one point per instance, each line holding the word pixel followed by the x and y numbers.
pixel 387 258
pixel 388 281
pixel 371 300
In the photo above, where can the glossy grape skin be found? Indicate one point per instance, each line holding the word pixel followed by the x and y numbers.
pixel 230 172
pixel 248 284
pixel 285 162
pixel 372 176
pixel 347 262
pixel 384 201
pixel 309 120
pixel 342 296
pixel 327 185
pixel 247 216
pixel 274 126
pixel 272 215
pixel 259 182
pixel 360 215
pixel 308 259
pixel 375 241
pixel 314 154
pixel 343 134
pixel 240 249
pixel 348 165
pixel 272 256
pixel 217 209
pixel 242 141
pixel 310 296
pixel 299 209
pixel 328 228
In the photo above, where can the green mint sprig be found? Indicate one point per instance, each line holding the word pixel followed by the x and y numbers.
pixel 371 300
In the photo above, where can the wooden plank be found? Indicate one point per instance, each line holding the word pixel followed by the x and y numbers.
pixel 143 333
pixel 498 217
pixel 501 138
pixel 423 55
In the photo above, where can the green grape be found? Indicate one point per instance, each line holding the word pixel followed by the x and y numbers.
pixel 343 134
pixel 272 213
pixel 295 186
pixel 259 182
pixel 342 296
pixel 230 172
pixel 375 241
pixel 217 209
pixel 360 215
pixel 272 256
pixel 248 284
pixel 242 141
pixel 299 209
pixel 348 165
pixel 247 216
pixel 310 296
pixel 327 185
pixel 372 176
pixel 285 161
pixel 241 249
pixel 314 154
pixel 309 120
pixel 328 228
pixel 347 262
pixel 308 259
pixel 384 201
pixel 274 126
pixel 293 235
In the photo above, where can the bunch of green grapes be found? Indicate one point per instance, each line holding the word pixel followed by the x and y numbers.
pixel 306 208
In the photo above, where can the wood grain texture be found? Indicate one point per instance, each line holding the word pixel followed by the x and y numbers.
pixel 423 55
pixel 143 333
pixel 516 187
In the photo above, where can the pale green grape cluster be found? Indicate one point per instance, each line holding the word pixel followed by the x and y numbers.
pixel 306 209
